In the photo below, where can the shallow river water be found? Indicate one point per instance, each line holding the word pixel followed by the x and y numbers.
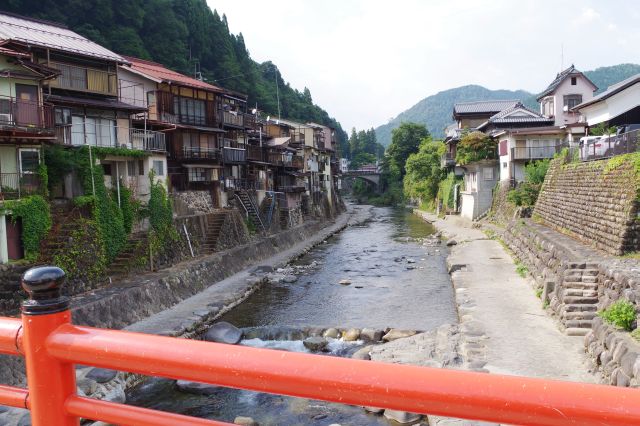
pixel 395 282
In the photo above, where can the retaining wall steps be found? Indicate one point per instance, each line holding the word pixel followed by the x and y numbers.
pixel 578 303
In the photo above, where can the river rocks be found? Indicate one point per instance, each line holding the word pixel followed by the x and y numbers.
pixel 197 388
pixel 101 375
pixel 223 332
pixel 245 421
pixel 373 410
pixel 371 335
pixel 315 344
pixel 351 335
pixel 362 353
pixel 290 278
pixel 395 334
pixel 86 386
pixel 332 333
pixel 344 282
pixel 402 417
pixel 411 261
pixel 451 242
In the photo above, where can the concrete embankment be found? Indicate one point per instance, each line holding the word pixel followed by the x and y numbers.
pixel 501 318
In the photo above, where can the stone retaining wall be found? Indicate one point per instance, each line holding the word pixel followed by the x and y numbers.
pixel 593 201
pixel 10 293
pixel 137 298
pixel 576 285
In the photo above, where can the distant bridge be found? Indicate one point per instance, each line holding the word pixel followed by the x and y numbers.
pixel 369 176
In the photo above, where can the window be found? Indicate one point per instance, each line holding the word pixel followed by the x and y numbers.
pixel 131 168
pixel 141 167
pixel 93 131
pixel 571 101
pixel 107 169
pixel 548 107
pixel 504 165
pixel 158 167
pixel 487 173
pixel 190 111
pixel 62 116
pixel 199 174
pixel 574 81
pixel 29 161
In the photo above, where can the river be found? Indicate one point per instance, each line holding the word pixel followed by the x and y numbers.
pixel 396 282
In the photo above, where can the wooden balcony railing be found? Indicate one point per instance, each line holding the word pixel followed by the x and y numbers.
pixel 198 154
pixel 256 153
pixel 285 160
pixel 232 119
pixel 85 79
pixel 147 140
pixel 18 114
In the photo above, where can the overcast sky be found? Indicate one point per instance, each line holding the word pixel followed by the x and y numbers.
pixel 365 61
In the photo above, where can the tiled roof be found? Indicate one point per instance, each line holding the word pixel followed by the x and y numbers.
pixel 611 90
pixel 480 107
pixel 560 78
pixel 517 114
pixel 50 35
pixel 160 72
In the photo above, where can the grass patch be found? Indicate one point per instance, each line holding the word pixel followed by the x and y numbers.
pixel 622 314
pixel 636 334
pixel 522 270
pixel 539 293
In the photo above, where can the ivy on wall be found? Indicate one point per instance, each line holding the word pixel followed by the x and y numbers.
pixel 84 258
pixel 36 222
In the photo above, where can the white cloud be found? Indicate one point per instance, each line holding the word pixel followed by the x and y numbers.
pixel 367 60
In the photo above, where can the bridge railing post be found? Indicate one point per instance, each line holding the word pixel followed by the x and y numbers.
pixel 50 382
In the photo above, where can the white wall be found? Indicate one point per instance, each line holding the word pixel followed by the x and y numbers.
pixel 613 106
pixel 582 87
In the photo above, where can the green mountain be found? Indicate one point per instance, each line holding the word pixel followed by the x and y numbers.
pixel 185 35
pixel 435 111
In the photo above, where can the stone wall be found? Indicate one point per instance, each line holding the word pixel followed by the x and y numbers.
pixel 595 202
pixel 186 203
pixel 576 283
pixel 10 291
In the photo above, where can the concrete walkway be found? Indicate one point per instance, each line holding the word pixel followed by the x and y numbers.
pixel 502 319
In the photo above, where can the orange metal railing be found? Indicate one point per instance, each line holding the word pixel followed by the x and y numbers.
pixel 51 345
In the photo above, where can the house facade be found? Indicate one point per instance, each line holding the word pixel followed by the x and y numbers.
pixel 618 105
pixel 569 89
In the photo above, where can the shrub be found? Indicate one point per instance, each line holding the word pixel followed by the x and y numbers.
pixel 526 194
pixel 36 222
pixel 475 146
pixel 522 270
pixel 621 314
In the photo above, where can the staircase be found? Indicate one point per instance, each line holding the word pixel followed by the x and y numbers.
pixel 579 299
pixel 123 263
pixel 215 222
pixel 250 208
pixel 63 219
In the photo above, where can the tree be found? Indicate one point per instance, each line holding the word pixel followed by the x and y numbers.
pixel 423 171
pixel 405 140
pixel 475 146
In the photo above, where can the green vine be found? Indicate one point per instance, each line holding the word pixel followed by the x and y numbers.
pixel 160 214
pixel 36 222
pixel 103 151
pixel 84 258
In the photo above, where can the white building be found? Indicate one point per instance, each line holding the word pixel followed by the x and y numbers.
pixel 569 89
pixel 344 165
pixel 619 104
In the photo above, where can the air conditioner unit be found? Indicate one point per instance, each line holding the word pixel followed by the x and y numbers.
pixel 6 118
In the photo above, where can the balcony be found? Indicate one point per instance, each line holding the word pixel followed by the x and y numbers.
pixel 84 79
pixel 290 188
pixel 234 155
pixel 27 116
pixel 110 136
pixel 147 140
pixel 534 152
pixel 256 153
pixel 188 153
pixel 447 160
pixel 16 185
pixel 284 160
pixel 232 119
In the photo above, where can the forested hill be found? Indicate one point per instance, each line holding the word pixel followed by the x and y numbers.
pixel 435 111
pixel 180 34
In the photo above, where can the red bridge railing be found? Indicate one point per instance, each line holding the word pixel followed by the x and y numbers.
pixel 51 345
